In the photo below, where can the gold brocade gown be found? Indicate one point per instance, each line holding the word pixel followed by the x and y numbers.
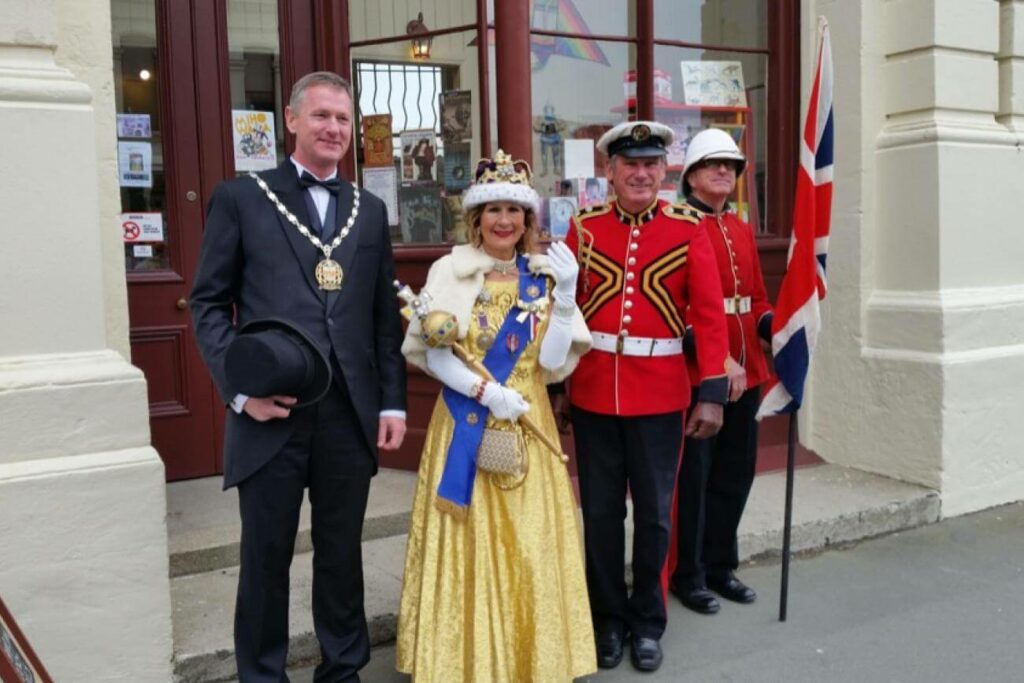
pixel 500 596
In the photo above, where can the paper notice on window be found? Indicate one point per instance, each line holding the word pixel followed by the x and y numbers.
pixel 383 182
pixel 579 159
pixel 142 227
pixel 142 251
pixel 135 164
pixel 713 84
pixel 254 141
pixel 134 126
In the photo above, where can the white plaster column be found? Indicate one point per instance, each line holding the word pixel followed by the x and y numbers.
pixel 1011 64
pixel 918 373
pixel 82 510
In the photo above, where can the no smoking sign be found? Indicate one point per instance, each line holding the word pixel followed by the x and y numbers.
pixel 142 227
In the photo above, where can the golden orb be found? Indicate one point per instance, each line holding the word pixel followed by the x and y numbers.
pixel 439 329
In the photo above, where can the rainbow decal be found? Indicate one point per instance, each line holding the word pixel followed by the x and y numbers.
pixel 562 15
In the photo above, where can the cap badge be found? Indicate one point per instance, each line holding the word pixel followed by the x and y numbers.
pixel 641 133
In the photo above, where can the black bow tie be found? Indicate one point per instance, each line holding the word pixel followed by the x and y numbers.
pixel 308 180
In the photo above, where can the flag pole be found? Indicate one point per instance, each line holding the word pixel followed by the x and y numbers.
pixel 788 522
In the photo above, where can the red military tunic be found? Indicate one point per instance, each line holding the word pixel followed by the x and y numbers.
pixel 741 279
pixel 647 275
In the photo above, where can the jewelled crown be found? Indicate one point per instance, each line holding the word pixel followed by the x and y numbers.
pixel 502 180
pixel 502 169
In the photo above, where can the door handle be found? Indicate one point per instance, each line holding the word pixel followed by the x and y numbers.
pixel 181 305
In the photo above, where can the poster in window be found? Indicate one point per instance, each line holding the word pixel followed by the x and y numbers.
pixel 713 84
pixel 560 213
pixel 134 126
pixel 590 191
pixel 377 146
pixel 419 152
pixel 457 171
pixel 456 116
pixel 683 129
pixel 135 164
pixel 419 211
pixel 383 183
pixel 253 134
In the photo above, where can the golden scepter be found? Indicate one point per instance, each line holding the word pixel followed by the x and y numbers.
pixel 441 329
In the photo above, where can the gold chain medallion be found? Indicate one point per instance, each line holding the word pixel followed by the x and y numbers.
pixel 329 275
pixel 328 272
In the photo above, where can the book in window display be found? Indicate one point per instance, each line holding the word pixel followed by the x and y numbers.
pixel 377 146
pixel 457 171
pixel 419 154
pixel 456 116
pixel 419 212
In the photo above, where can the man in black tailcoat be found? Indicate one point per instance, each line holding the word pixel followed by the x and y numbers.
pixel 256 263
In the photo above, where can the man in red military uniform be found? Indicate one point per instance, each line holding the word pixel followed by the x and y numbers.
pixel 717 473
pixel 647 271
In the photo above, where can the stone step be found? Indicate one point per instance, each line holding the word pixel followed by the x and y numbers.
pixel 204 611
pixel 203 526
pixel 832 505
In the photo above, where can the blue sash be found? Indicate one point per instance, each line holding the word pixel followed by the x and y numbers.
pixel 456 487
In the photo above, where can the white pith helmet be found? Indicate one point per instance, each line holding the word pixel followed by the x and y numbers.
pixel 711 143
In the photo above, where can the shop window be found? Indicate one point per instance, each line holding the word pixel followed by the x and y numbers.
pixel 726 90
pixel 417 113
pixel 573 105
pixel 710 68
pixel 254 72
pixel 711 61
pixel 738 23
pixel 139 137
pixel 414 125
pixel 580 87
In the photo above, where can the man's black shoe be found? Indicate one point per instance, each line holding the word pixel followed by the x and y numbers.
pixel 645 653
pixel 609 649
pixel 698 599
pixel 731 588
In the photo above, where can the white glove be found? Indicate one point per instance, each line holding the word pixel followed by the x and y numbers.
pixel 504 403
pixel 443 365
pixel 554 348
pixel 566 270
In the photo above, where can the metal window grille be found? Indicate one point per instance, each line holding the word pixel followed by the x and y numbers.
pixel 409 92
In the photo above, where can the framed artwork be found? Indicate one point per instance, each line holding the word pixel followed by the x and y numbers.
pixel 419 154
pixel 456 108
pixel 419 213
pixel 713 84
pixel 457 170
pixel 377 146
pixel 560 213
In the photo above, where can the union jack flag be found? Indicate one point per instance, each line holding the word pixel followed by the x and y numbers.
pixel 797 320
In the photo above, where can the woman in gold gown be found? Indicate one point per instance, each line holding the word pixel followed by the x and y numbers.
pixel 494 588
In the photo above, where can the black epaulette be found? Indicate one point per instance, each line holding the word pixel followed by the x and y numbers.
pixel 592 211
pixel 683 212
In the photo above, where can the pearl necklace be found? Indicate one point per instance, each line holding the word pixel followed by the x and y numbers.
pixel 504 267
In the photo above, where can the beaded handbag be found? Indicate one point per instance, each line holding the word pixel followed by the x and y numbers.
pixel 501 452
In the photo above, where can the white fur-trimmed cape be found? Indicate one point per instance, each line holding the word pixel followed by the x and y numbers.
pixel 454 283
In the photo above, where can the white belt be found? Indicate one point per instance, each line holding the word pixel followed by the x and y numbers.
pixel 637 346
pixel 737 304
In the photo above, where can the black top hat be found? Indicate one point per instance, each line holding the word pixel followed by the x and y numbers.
pixel 272 356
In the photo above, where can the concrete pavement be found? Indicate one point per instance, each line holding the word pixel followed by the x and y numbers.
pixel 939 603
pixel 833 505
